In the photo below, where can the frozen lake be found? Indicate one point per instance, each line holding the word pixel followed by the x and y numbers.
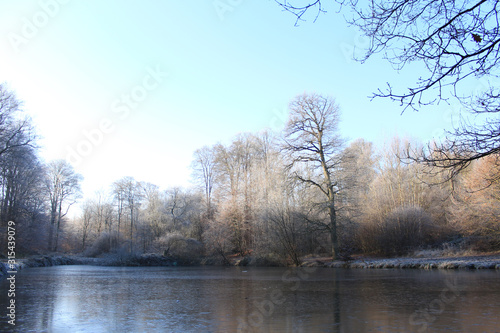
pixel 215 299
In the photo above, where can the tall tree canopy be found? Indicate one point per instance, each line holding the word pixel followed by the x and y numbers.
pixel 311 137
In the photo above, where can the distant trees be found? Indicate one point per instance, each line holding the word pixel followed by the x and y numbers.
pixel 21 175
pixel 279 198
pixel 63 189
pixel 128 194
pixel 358 170
pixel 476 204
pixel 311 137
pixel 18 159
pixel 204 167
pixel 136 217
pixel 22 195
pixel 398 199
pixel 86 222
pixel 275 197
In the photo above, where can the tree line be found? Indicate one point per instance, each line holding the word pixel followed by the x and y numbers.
pixel 34 194
pixel 275 197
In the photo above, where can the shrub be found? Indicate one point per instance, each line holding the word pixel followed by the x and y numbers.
pixel 103 244
pixel 403 230
pixel 186 250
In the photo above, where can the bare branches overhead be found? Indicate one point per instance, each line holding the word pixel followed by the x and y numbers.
pixel 300 10
pixel 458 44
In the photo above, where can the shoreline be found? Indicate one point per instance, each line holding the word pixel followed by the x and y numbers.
pixel 471 262
pixel 149 260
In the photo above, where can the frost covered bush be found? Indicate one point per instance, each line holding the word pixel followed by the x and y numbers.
pixel 176 245
pixel 402 230
pixel 103 244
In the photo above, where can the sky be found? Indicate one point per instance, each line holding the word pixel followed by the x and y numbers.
pixel 133 88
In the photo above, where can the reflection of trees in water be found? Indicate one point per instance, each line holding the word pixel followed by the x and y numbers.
pixel 266 299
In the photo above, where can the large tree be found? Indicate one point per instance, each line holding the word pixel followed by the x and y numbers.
pixel 311 137
pixel 458 43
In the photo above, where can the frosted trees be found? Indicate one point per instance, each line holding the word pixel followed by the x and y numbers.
pixel 154 213
pixel 356 174
pixel 204 167
pixel 63 189
pixel 234 171
pixel 127 192
pixel 311 137
pixel 476 203
pixel 86 222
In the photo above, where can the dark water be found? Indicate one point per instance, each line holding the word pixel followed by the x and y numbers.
pixel 109 299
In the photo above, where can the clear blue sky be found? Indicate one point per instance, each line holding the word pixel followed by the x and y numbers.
pixel 88 66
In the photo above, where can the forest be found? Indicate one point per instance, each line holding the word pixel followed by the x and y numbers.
pixel 274 197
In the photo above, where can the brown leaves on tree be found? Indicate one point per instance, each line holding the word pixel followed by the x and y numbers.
pixel 477 38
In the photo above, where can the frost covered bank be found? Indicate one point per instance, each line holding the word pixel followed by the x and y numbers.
pixel 129 260
pixel 44 261
pixel 473 262
pixel 470 262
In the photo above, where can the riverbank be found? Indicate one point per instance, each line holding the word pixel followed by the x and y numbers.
pixel 485 261
pixel 47 261
pixel 42 261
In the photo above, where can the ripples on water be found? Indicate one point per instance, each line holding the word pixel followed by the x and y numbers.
pixel 213 299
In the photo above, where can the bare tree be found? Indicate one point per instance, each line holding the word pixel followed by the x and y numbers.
pixel 356 174
pixel 22 196
pixel 311 137
pixel 118 189
pixel 155 213
pixel 288 229
pixel 86 221
pixel 233 175
pixel 63 189
pixel 178 206
pixel 218 236
pixel 204 166
pixel 129 193
pixel 14 132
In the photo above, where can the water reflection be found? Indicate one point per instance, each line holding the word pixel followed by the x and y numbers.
pixel 105 299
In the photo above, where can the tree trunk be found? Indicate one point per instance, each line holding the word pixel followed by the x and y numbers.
pixel 131 229
pixel 59 217
pixel 333 231
pixel 53 213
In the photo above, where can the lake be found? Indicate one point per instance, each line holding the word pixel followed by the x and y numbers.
pixel 251 299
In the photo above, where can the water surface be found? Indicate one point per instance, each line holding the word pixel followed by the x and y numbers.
pixel 213 299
